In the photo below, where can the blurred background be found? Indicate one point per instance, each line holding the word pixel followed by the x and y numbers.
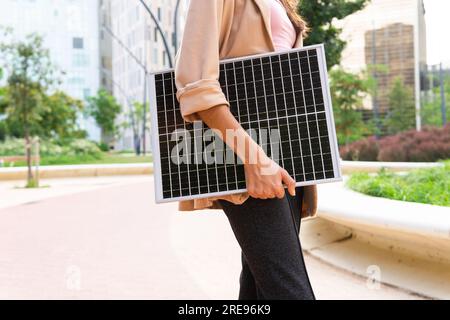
pixel 75 126
pixel 391 52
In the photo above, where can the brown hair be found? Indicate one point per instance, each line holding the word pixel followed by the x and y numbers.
pixel 297 20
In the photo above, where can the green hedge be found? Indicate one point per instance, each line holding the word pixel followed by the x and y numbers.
pixel 429 186
pixel 76 147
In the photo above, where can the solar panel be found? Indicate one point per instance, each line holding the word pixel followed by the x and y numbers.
pixel 281 98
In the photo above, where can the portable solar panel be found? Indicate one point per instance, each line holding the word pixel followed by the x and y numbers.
pixel 281 98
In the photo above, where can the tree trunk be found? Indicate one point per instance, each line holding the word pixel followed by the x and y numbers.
pixel 28 153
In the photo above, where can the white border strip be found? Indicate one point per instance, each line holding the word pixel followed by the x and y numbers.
pixel 226 193
pixel 155 141
pixel 329 111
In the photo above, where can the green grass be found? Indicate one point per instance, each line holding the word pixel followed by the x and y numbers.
pixel 104 158
pixel 429 186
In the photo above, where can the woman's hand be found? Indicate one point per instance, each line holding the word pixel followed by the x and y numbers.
pixel 265 178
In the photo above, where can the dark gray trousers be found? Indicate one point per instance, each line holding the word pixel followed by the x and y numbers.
pixel 272 258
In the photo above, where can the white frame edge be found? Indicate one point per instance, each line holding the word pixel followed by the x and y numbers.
pixel 155 142
pixel 329 112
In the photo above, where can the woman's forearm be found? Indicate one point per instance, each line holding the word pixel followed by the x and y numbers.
pixel 264 177
pixel 222 121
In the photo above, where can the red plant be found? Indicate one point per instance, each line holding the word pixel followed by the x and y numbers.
pixel 362 150
pixel 429 145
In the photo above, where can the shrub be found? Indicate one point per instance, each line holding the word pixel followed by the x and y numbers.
pixel 103 146
pixel 49 148
pixel 83 147
pixel 429 145
pixel 12 147
pixel 77 147
pixel 362 150
pixel 424 185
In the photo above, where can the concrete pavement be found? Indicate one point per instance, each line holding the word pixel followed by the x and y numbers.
pixel 104 238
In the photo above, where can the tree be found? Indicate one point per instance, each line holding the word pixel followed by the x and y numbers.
pixel 30 74
pixel 432 105
pixel 320 15
pixel 371 74
pixel 59 117
pixel 401 115
pixel 133 120
pixel 3 104
pixel 104 108
pixel 347 93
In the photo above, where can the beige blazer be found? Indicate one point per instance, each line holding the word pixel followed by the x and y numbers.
pixel 216 30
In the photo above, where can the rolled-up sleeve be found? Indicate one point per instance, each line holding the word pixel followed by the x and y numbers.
pixel 197 61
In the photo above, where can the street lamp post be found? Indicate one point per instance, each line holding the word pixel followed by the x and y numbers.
pixel 158 26
pixel 143 65
pixel 132 55
pixel 442 88
pixel 130 107
pixel 144 106
pixel 374 74
pixel 175 26
pixel 169 56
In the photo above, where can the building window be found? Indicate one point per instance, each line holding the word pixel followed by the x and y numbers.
pixel 76 81
pixel 86 93
pixel 80 60
pixel 155 56
pixel 78 43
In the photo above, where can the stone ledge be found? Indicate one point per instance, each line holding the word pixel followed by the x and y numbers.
pixel 74 171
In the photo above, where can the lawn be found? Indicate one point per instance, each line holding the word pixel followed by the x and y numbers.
pixel 429 186
pixel 104 158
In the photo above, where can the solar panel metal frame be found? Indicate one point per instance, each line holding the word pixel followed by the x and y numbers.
pixel 328 113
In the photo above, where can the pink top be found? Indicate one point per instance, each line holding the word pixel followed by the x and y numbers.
pixel 283 32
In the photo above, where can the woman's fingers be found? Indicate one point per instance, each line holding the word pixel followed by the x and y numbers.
pixel 289 182
pixel 279 191
pixel 261 185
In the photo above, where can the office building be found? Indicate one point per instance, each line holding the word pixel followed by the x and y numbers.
pixel 392 34
pixel 137 43
pixel 71 33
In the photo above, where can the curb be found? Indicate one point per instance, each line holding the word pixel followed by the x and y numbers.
pixel 94 170
pixel 421 229
pixel 77 171
pixel 349 167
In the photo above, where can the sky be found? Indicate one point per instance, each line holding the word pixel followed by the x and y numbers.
pixel 438 37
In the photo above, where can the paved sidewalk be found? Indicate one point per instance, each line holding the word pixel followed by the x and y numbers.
pixel 104 238
pixel 13 193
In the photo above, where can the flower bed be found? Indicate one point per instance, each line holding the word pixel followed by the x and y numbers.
pixel 430 186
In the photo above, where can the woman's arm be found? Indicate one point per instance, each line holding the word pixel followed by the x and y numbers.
pixel 264 178
pixel 201 98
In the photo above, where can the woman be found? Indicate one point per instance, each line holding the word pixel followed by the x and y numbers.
pixel 265 219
